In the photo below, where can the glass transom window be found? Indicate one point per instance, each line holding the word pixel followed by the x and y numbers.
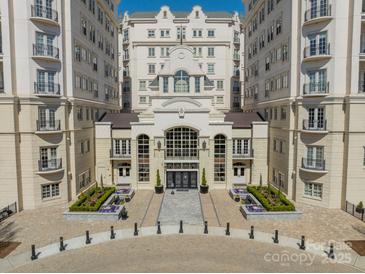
pixel 182 143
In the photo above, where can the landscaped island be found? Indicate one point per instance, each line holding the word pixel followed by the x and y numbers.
pixel 92 199
pixel 270 198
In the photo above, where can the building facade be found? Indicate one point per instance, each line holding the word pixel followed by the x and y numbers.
pixel 60 68
pixel 148 37
pixel 304 73
pixel 181 133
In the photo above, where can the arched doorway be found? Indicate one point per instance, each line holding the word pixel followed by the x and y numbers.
pixel 182 158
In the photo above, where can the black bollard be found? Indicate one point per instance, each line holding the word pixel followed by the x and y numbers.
pixel 112 233
pixel 228 232
pixel 331 253
pixel 205 227
pixel 302 243
pixel 135 229
pixel 159 227
pixel 252 235
pixel 88 240
pixel 181 230
pixel 62 246
pixel 276 237
pixel 34 255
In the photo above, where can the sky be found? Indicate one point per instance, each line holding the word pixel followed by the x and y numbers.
pixel 181 5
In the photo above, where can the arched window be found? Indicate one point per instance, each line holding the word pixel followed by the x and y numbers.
pixel 181 82
pixel 143 158
pixel 219 158
pixel 182 143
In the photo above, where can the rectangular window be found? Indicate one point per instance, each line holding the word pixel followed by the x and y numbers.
pixel 197 33
pixel 313 190
pixel 50 191
pixel 151 33
pixel 151 52
pixel 210 52
pixel 142 85
pixel 211 33
pixel 211 69
pixel 197 84
pixel 143 100
pixel 151 68
pixel 220 85
pixel 165 84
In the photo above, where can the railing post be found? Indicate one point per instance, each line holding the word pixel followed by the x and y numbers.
pixel 276 237
pixel 34 255
pixel 302 243
pixel 135 229
pixel 159 227
pixel 181 230
pixel 228 232
pixel 252 235
pixel 112 233
pixel 88 240
pixel 62 246
pixel 205 227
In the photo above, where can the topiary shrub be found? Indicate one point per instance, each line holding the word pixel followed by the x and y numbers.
pixel 158 178
pixel 204 179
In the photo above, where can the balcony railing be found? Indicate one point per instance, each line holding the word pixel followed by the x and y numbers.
pixel 182 158
pixel 236 57
pixel 314 164
pixel 44 12
pixel 314 13
pixel 316 88
pixel 315 125
pixel 115 155
pixel 46 51
pixel 317 50
pixel 49 165
pixel 48 125
pixel 42 88
pixel 243 155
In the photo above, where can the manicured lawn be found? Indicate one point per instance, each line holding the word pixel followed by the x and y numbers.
pixel 92 199
pixel 271 199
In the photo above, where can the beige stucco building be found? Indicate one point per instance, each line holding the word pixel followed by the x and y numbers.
pixel 304 73
pixel 59 68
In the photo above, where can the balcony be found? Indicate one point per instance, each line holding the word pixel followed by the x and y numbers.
pixel 315 126
pixel 314 165
pixel 49 166
pixel 119 156
pixel 317 15
pixel 182 158
pixel 46 52
pixel 44 15
pixel 48 126
pixel 42 89
pixel 316 89
pixel 243 156
pixel 236 57
pixel 317 53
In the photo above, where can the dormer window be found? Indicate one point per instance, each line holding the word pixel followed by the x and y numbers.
pixel 165 14
pixel 181 82
pixel 197 14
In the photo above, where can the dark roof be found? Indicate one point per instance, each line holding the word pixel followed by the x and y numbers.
pixel 120 120
pixel 180 14
pixel 243 119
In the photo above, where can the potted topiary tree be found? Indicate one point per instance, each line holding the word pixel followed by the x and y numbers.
pixel 204 188
pixel 360 208
pixel 159 186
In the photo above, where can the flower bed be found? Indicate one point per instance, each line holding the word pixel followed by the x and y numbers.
pixel 271 199
pixel 92 199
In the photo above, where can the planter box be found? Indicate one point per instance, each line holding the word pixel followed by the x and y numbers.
pixel 159 189
pixel 204 189
pixel 126 193
pixel 266 215
pixel 93 216
pixel 238 193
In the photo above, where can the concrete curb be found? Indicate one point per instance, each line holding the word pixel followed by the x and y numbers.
pixel 12 262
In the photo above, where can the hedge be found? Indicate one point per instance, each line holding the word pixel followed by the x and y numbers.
pixel 78 205
pixel 288 206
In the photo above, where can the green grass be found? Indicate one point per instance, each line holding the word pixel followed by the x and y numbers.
pixel 92 200
pixel 271 199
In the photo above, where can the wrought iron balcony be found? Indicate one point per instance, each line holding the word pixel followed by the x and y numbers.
pixel 46 89
pixel 315 125
pixel 49 165
pixel 314 164
pixel 317 13
pixel 43 50
pixel 39 11
pixel 316 88
pixel 48 125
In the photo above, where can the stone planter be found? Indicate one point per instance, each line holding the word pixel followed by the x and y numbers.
pixel 360 210
pixel 159 189
pixel 204 189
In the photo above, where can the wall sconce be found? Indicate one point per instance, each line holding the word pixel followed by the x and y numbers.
pixel 159 145
pixel 204 145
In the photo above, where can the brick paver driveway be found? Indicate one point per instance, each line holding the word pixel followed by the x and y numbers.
pixel 183 254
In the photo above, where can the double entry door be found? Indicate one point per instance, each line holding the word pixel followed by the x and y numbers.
pixel 182 179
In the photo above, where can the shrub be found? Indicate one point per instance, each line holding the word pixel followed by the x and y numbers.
pixel 204 179
pixel 360 206
pixel 258 193
pixel 87 203
pixel 158 178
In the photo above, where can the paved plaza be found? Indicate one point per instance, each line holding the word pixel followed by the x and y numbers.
pixel 45 226
pixel 184 254
pixel 181 205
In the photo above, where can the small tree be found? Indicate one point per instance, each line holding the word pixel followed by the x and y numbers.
pixel 158 178
pixel 204 179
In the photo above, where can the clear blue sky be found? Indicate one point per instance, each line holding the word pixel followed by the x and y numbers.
pixel 181 5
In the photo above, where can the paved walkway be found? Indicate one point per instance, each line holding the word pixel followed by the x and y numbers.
pixel 182 205
pixel 188 252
